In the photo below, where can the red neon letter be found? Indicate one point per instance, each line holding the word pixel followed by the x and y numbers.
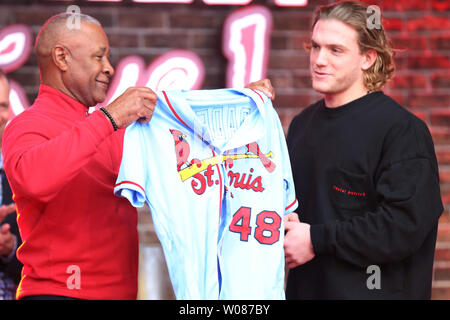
pixel 15 46
pixel 291 3
pixel 176 69
pixel 163 1
pixel 246 40
pixel 228 2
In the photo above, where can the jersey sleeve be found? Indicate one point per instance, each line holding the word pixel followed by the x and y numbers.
pixel 131 179
pixel 290 199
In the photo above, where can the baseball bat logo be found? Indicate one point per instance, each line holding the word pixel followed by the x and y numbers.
pixel 202 170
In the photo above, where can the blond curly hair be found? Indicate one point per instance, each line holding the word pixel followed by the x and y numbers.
pixel 355 14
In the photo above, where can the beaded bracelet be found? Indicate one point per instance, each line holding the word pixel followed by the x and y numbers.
pixel 106 113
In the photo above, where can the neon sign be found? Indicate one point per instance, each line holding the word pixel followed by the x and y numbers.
pixel 283 3
pixel 15 46
pixel 176 69
pixel 245 44
pixel 15 49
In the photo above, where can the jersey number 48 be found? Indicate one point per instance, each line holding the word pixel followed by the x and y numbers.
pixel 267 230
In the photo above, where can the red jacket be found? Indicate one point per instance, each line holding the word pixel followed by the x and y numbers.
pixel 79 240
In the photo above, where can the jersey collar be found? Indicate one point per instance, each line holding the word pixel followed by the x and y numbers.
pixel 251 129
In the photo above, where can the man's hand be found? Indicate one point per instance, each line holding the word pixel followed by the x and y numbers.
pixel 263 85
pixel 6 240
pixel 293 216
pixel 298 247
pixel 7 209
pixel 136 103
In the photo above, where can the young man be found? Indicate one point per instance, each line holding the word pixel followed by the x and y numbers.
pixel 365 172
pixel 80 241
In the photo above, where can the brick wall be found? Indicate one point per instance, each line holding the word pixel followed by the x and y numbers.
pixel 422 82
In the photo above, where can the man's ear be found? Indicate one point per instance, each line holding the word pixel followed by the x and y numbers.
pixel 60 57
pixel 369 58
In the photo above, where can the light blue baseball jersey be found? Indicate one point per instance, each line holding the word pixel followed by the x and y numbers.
pixel 214 169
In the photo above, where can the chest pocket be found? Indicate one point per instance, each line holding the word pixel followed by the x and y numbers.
pixel 347 190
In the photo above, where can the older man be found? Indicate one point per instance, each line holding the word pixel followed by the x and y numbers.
pixel 80 241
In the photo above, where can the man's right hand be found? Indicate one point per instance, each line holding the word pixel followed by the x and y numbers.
pixel 136 103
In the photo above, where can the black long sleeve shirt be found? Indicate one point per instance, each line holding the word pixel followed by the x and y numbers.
pixel 367 181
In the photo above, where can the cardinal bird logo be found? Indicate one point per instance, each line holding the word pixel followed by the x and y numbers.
pixel 182 148
pixel 194 167
pixel 267 163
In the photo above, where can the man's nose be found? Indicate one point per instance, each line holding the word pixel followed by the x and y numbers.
pixel 108 68
pixel 321 57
